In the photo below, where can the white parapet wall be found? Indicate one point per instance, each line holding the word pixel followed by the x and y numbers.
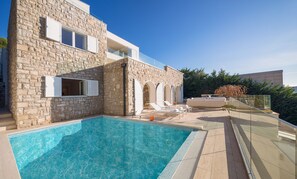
pixel 81 5
pixel 213 102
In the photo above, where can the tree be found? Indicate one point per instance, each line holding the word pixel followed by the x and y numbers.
pixel 283 99
pixel 231 91
pixel 3 42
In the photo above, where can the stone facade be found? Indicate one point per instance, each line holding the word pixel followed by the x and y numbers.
pixel 113 83
pixel 146 73
pixel 32 57
pixel 113 88
pixel 146 96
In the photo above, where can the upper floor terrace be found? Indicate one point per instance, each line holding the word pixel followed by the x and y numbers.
pixel 119 48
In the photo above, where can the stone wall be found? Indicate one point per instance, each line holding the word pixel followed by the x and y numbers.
pixel 272 77
pixel 32 57
pixel 146 73
pixel 113 88
pixel 146 96
pixel 12 58
pixel 113 83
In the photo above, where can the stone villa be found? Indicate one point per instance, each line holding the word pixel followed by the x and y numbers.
pixel 64 64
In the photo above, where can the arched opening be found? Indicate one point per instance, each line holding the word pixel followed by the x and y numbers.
pixel 149 94
pixel 173 98
pixel 182 93
pixel 167 93
pixel 179 95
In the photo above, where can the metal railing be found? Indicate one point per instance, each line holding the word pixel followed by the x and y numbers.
pixel 268 143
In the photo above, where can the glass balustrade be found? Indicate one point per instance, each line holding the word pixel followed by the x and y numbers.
pixel 117 52
pixel 268 143
pixel 142 57
pixel 146 59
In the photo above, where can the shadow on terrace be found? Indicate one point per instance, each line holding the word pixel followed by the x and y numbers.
pixel 267 143
pixel 220 156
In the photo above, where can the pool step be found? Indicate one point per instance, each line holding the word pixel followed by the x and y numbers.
pixel 7 122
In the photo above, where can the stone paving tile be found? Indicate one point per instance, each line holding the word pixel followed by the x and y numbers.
pixel 205 161
pixel 220 157
pixel 202 173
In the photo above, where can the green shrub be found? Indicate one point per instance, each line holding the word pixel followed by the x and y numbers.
pixel 3 43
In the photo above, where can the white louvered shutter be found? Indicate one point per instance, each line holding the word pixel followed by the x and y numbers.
pixel 93 88
pixel 138 94
pixel 53 86
pixel 160 94
pixel 92 44
pixel 53 29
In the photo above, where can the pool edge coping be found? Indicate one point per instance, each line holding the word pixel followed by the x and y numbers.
pixel 73 121
pixel 184 162
pixel 8 166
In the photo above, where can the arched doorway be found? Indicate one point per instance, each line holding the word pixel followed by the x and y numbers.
pixel 149 94
pixel 167 93
pixel 173 98
pixel 179 95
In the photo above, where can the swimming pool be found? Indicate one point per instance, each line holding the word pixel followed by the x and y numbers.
pixel 102 147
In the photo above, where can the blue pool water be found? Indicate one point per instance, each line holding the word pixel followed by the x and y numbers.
pixel 102 147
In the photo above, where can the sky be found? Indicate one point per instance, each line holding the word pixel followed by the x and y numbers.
pixel 239 36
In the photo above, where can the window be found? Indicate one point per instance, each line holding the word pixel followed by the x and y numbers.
pixel 55 31
pixel 72 87
pixel 80 41
pixel 67 37
pixel 59 87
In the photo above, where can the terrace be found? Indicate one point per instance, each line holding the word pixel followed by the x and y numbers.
pixel 241 142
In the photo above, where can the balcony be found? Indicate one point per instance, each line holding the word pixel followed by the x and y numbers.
pixel 119 48
pixel 119 54
pixel 116 54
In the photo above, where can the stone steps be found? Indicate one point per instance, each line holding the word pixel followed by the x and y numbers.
pixel 4 115
pixel 7 122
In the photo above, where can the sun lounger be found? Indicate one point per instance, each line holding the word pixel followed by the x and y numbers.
pixel 159 109
pixel 167 103
pixel 185 108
